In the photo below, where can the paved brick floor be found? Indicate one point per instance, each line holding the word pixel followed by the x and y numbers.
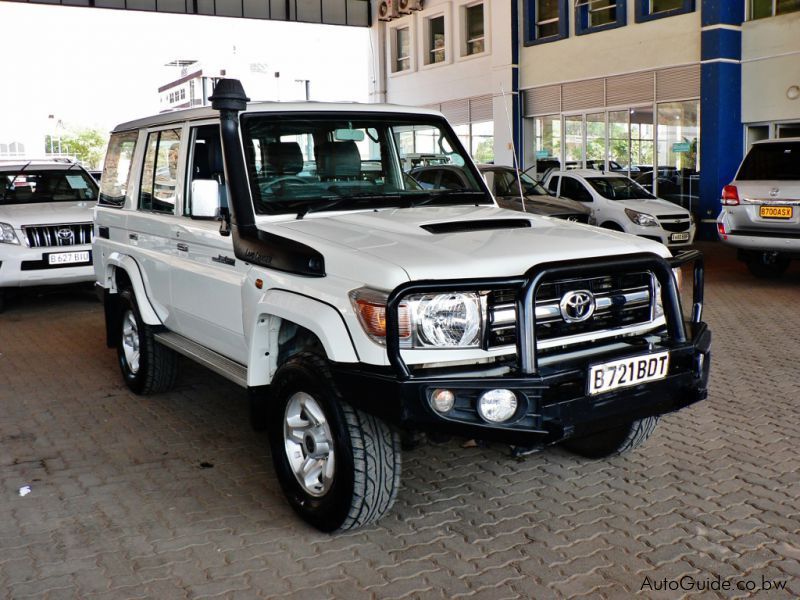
pixel 122 506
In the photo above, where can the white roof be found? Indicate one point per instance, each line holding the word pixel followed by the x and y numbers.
pixel 778 140
pixel 37 164
pixel 590 173
pixel 206 112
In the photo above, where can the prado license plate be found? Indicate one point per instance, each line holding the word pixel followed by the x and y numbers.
pixel 626 372
pixel 67 258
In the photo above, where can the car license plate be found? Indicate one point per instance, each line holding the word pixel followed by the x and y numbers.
pixel 626 372
pixel 679 237
pixel 66 258
pixel 768 211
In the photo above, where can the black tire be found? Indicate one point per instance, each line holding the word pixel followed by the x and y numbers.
pixel 767 265
pixel 612 441
pixel 366 460
pixel 157 365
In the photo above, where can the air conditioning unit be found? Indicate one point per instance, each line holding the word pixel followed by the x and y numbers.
pixel 407 6
pixel 387 10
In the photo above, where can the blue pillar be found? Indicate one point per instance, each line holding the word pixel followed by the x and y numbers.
pixel 721 133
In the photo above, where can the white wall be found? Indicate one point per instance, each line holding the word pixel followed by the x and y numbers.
pixel 635 47
pixel 459 76
pixel 770 65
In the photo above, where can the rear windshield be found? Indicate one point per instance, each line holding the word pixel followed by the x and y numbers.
pixel 57 185
pixel 777 161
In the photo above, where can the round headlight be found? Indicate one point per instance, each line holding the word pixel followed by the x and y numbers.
pixel 449 320
pixel 442 400
pixel 497 406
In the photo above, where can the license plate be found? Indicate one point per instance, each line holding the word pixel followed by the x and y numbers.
pixel 626 372
pixel 66 258
pixel 775 212
pixel 679 237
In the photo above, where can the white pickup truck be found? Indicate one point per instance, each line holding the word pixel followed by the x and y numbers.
pixel 284 247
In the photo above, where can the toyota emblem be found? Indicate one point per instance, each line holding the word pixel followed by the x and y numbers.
pixel 774 192
pixel 65 235
pixel 577 306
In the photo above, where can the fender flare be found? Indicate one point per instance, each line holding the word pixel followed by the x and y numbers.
pixel 126 263
pixel 321 319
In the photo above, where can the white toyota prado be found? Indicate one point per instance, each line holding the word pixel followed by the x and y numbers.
pixel 282 246
pixel 45 223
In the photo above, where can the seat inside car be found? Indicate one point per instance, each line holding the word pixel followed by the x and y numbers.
pixel 284 158
pixel 338 161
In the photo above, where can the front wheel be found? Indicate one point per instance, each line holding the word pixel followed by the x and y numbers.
pixel 147 366
pixel 613 441
pixel 767 265
pixel 339 467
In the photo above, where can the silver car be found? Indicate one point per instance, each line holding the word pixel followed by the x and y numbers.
pixel 761 207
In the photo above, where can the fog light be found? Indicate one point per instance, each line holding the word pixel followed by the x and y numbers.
pixel 443 400
pixel 497 406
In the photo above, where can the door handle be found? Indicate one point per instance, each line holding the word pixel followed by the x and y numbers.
pixel 182 247
pixel 133 236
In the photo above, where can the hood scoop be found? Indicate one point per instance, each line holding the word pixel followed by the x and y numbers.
pixel 476 225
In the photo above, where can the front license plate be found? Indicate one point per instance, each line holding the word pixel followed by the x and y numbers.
pixel 775 212
pixel 66 258
pixel 679 237
pixel 626 372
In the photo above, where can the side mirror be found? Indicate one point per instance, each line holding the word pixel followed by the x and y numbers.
pixel 206 199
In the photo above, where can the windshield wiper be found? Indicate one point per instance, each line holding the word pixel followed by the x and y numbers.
pixel 14 178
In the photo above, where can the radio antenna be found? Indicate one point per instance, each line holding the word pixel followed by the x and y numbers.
pixel 514 149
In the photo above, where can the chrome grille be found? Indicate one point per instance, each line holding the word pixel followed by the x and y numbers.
pixel 68 234
pixel 676 227
pixel 622 302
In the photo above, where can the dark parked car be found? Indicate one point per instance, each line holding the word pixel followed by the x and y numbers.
pixel 503 183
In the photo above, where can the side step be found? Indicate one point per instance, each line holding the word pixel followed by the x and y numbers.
pixel 200 354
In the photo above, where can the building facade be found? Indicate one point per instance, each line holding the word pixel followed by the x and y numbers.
pixel 670 92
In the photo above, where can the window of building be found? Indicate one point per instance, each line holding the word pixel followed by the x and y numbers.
pixel 436 40
pixel 402 41
pixel 548 17
pixel 547 143
pixel 474 29
pixel 160 172
pixel 678 172
pixel 598 15
pixel 760 9
pixel 647 10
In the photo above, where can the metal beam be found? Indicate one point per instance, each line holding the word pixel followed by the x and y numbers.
pixel 353 13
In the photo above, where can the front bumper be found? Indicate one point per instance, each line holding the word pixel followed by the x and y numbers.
pixel 21 266
pixel 553 397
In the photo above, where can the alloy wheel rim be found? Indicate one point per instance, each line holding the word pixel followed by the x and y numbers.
pixel 130 341
pixel 308 443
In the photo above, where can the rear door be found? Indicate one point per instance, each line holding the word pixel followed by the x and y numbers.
pixel 768 184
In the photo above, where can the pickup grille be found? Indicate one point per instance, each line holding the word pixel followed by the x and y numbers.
pixel 69 234
pixel 676 227
pixel 622 302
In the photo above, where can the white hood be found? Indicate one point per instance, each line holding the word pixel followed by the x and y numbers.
pixel 396 237
pixel 46 213
pixel 654 206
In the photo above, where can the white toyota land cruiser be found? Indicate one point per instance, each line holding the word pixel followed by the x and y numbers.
pixel 283 247
pixel 45 223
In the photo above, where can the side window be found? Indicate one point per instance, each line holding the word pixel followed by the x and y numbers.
pixel 160 171
pixel 572 188
pixel 553 185
pixel 117 169
pixel 205 158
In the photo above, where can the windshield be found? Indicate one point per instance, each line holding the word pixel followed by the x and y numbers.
pixel 56 185
pixel 774 161
pixel 619 188
pixel 337 161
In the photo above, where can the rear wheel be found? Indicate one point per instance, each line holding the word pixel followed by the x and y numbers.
pixel 339 467
pixel 767 265
pixel 147 366
pixel 613 441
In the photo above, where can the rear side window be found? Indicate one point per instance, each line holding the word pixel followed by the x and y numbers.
pixel 553 185
pixel 160 172
pixel 572 188
pixel 779 161
pixel 117 169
